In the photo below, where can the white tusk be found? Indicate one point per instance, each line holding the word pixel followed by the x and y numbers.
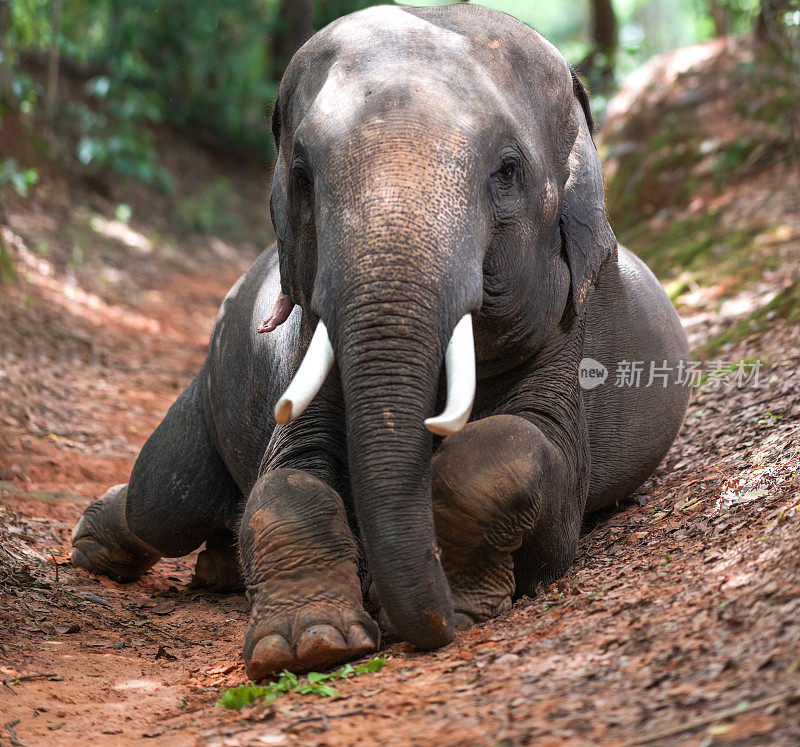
pixel 459 367
pixel 314 369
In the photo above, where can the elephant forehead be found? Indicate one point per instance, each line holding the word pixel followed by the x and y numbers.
pixel 345 105
pixel 386 57
pixel 365 29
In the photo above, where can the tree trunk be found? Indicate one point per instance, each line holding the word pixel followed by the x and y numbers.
pixel 772 30
pixel 598 65
pixel 51 91
pixel 296 27
pixel 5 65
pixel 719 17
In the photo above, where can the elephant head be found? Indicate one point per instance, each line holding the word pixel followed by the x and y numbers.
pixel 432 164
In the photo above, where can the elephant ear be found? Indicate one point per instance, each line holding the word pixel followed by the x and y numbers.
pixel 278 206
pixel 586 234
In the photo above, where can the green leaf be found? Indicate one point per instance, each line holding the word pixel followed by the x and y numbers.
pixel 316 677
pixel 326 691
pixel 287 681
pixel 373 665
pixel 322 691
pixel 236 698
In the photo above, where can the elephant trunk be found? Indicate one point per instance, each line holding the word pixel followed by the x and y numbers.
pixel 395 271
pixel 390 361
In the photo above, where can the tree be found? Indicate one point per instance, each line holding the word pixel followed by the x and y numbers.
pixel 776 26
pixel 719 12
pixel 295 26
pixel 598 66
pixel 51 91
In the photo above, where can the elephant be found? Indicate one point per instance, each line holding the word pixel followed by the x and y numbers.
pixel 442 247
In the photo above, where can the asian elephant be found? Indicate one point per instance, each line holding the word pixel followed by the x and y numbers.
pixel 442 243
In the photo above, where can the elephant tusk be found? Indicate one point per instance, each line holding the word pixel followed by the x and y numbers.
pixel 314 369
pixel 459 366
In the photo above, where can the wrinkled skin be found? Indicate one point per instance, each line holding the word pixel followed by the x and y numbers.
pixel 431 162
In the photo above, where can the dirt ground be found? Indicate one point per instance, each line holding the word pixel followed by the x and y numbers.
pixel 678 623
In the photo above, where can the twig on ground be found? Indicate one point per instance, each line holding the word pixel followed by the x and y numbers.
pixel 55 563
pixel 706 720
pixel 324 717
pixel 28 678
pixel 9 726
pixel 765 401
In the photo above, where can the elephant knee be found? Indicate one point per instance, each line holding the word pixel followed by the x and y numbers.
pixel 485 481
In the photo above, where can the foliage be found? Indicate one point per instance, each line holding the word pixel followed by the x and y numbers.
pixel 115 137
pixel 236 698
pixel 211 211
pixel 18 179
pixel 7 270
pixel 786 305
pixel 210 67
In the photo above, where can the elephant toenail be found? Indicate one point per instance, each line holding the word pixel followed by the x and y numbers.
pixel 359 640
pixel 79 559
pixel 320 645
pixel 272 654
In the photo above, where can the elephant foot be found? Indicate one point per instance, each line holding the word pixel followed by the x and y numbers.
pixel 217 566
pixel 300 563
pixel 315 635
pixel 102 542
pixel 482 480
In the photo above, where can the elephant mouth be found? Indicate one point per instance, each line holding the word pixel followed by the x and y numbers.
pixel 459 365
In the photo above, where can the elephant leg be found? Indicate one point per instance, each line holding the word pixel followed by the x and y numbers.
pixel 179 494
pixel 492 483
pixel 217 566
pixel 300 565
pixel 103 543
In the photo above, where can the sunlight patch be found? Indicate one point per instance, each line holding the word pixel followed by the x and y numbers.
pixel 143 685
pixel 119 231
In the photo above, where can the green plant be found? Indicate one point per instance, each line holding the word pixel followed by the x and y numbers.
pixel 315 683
pixel 7 270
pixel 115 136
pixel 212 211
pixel 785 306
pixel 20 180
pixel 732 157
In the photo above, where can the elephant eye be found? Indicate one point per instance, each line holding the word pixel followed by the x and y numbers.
pixel 507 172
pixel 301 176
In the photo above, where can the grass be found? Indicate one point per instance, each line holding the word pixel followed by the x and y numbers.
pixel 7 270
pixel 315 683
pixel 786 306
pixel 703 250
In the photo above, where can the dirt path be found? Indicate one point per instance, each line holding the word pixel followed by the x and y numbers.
pixel 678 621
pixel 677 624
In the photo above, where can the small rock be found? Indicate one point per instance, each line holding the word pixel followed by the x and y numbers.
pixel 164 608
pixel 89 597
pixel 162 653
pixel 507 660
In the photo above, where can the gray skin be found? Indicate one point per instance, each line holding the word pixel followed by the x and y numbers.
pixel 431 162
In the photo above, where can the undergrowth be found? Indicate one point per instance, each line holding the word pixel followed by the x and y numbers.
pixel 785 306
pixel 314 683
